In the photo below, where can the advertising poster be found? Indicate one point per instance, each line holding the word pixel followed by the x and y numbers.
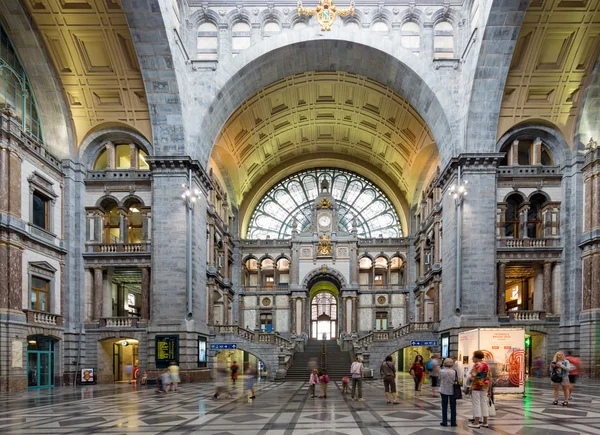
pixel 201 351
pixel 87 376
pixel 504 350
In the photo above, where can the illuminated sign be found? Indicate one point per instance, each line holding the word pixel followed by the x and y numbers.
pixel 167 350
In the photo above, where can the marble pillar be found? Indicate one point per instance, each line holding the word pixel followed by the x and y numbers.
pixel 547 287
pixel 501 290
pixel 145 312
pixel 98 292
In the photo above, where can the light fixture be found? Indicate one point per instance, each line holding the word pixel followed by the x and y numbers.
pixel 32 342
pixel 124 343
pixel 134 209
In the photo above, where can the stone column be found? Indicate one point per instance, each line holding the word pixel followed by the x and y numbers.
pixel 588 204
pixel 10 182
pixel 226 258
pixel 587 282
pixel 210 302
pixel 436 302
pixel 123 230
pixel 354 266
pixel 145 312
pixel 513 154
pixel 211 245
pixel 422 255
pixel 303 317
pixel 547 292
pixel 437 244
pixel 501 295
pixel 421 312
pixel 354 314
pixel 292 315
pixel 226 307
pixel 595 296
pixel 344 314
pixel 537 152
pixel 110 155
pixel 596 203
pixel 98 292
pixel 133 156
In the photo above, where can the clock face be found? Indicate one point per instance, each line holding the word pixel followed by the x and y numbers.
pixel 324 221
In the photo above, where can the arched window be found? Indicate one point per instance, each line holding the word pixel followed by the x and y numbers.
pixel 251 272
pixel 207 42
pixel 365 270
pixel 121 156
pixel 351 26
pixel 397 271
pixel 525 152
pixel 443 41
pixel 410 37
pixel 15 91
pixel 300 25
pixel 134 222
pixel 511 217
pixel 535 228
pixel 289 203
pixel 283 271
pixel 112 224
pixel 380 27
pixel 240 37
pixel 271 29
pixel 267 271
pixel 380 275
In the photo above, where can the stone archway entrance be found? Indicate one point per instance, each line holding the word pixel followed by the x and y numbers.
pixel 324 312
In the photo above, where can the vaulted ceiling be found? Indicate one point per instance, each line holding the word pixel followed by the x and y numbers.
pixel 93 53
pixel 320 115
pixel 558 45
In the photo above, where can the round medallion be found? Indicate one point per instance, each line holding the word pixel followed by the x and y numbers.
pixel 266 302
pixel 324 221
pixel 381 300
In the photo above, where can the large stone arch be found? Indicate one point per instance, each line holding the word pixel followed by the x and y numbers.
pixel 47 89
pixel 326 274
pixel 148 24
pixel 495 52
pixel 357 53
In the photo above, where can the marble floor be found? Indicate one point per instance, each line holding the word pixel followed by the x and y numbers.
pixel 284 408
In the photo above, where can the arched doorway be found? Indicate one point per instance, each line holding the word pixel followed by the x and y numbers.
pixel 118 361
pixel 323 316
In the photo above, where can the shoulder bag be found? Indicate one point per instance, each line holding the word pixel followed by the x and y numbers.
pixel 456 386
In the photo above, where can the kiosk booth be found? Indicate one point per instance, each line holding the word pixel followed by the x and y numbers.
pixel 504 350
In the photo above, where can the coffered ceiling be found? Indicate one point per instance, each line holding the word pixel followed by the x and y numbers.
pixel 317 114
pixel 557 47
pixel 92 51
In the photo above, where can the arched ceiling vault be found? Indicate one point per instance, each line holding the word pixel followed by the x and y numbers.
pixel 551 65
pixel 93 53
pixel 310 115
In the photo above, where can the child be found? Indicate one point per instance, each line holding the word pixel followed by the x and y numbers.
pixel 314 380
pixel 345 382
pixel 323 381
pixel 163 381
pixel 144 377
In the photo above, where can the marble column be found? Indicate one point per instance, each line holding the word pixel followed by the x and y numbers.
pixel 292 315
pixel 513 154
pixel 422 260
pixel 588 204
pixel 123 230
pixel 353 266
pixel 133 156
pixel 436 302
pixel 226 307
pixel 596 203
pixel 211 245
pixel 547 287
pixel 595 294
pixel 501 292
pixel 354 314
pixel 226 259
pixel 344 314
pixel 98 292
pixel 587 282
pixel 10 182
pixel 421 307
pixel 303 317
pixel 145 312
pixel 537 152
pixel 210 296
pixel 11 288
pixel 110 155
pixel 437 245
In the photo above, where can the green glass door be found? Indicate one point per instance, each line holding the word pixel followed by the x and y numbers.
pixel 40 362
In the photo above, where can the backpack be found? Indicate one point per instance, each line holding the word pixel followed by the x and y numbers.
pixel 429 365
pixel 556 376
pixel 325 379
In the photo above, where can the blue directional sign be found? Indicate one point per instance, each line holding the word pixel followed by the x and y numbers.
pixel 223 346
pixel 423 342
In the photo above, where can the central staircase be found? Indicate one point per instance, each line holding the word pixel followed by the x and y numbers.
pixel 336 362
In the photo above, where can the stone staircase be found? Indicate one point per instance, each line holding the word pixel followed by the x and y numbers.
pixel 335 361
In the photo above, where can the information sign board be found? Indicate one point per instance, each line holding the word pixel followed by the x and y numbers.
pixel 223 346
pixel 167 350
pixel 424 343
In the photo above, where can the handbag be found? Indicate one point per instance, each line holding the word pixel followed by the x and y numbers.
pixel 456 387
pixel 492 408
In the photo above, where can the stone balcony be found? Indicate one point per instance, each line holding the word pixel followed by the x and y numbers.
pixel 529 243
pixel 543 249
pixel 113 248
pixel 43 318
pixel 119 322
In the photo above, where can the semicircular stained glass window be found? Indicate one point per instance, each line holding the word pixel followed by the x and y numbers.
pixel 357 199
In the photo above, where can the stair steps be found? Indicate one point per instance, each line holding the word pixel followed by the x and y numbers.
pixel 338 362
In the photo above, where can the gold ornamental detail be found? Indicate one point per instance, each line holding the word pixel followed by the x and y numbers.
pixel 325 203
pixel 324 248
pixel 326 12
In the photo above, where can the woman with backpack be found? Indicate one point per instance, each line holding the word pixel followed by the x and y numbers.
pixel 388 373
pixel 559 375
pixel 323 381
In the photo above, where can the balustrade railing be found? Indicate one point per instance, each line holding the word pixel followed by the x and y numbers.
pixel 118 247
pixel 43 318
pixel 527 316
pixel 260 289
pixel 119 322
pixel 527 243
pixel 395 333
pixel 255 336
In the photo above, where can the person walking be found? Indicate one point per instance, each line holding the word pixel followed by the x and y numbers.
pixel 388 373
pixel 356 370
pixel 323 381
pixel 220 380
pixel 448 377
pixel 234 372
pixel 538 364
pixel 434 374
pixel 559 375
pixel 416 371
pixel 573 372
pixel 480 390
pixel 314 380
pixel 251 374
pixel 174 373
